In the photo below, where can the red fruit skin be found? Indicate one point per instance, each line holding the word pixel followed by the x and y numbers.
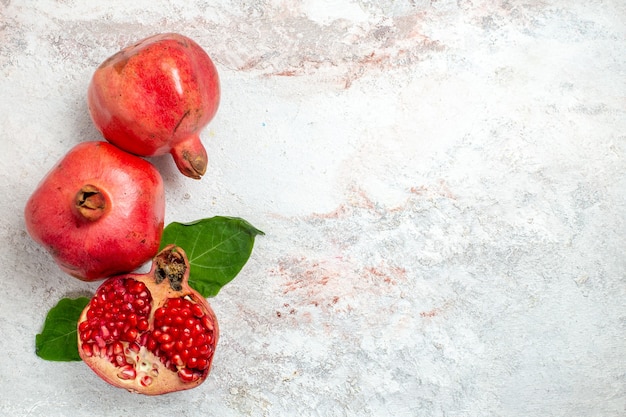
pixel 118 237
pixel 155 97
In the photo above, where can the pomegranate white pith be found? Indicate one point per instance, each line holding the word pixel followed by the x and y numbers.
pixel 150 333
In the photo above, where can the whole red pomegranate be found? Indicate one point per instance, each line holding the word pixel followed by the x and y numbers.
pixel 99 211
pixel 150 333
pixel 155 97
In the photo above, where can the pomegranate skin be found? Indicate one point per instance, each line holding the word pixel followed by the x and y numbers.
pixel 148 333
pixel 98 212
pixel 155 97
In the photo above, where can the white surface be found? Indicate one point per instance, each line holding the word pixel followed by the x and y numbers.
pixel 442 186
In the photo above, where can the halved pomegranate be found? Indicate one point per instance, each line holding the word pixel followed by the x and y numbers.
pixel 150 333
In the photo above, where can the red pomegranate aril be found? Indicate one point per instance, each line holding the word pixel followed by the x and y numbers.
pixel 202 364
pixel 187 375
pixel 174 303
pixel 130 335
pixel 206 322
pixel 165 338
pixel 196 310
pixel 188 342
pixel 159 313
pixel 199 339
pixel 192 362
pixel 142 325
pixel 87 349
pixel 104 332
pixel 127 372
pixel 190 323
pixel 132 320
pixel 167 347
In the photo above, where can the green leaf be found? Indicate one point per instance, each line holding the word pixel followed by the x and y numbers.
pixel 58 340
pixel 217 248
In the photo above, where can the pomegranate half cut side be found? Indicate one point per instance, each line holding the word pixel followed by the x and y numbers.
pixel 150 333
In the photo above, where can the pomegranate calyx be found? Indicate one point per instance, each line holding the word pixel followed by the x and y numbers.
pixel 170 263
pixel 190 157
pixel 90 202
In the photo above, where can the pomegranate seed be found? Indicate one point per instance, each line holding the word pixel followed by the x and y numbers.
pixel 194 351
pixel 146 380
pixel 165 338
pixel 132 320
pixel 177 360
pixel 192 362
pixel 188 342
pixel 133 347
pixel 87 349
pixel 136 287
pixel 104 332
pixel 142 325
pixel 127 372
pixel 118 348
pixel 151 344
pixel 187 375
pixel 198 329
pixel 204 350
pixel 196 310
pixel 130 335
pixel 199 339
pixel 202 364
pixel 166 347
pixel 100 341
pixel 178 344
pixel 174 302
pixel 206 322
pixel 159 313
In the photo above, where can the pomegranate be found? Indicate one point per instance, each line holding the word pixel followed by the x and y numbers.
pixel 155 97
pixel 99 211
pixel 150 333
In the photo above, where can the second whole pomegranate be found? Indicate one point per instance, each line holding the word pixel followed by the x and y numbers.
pixel 98 212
